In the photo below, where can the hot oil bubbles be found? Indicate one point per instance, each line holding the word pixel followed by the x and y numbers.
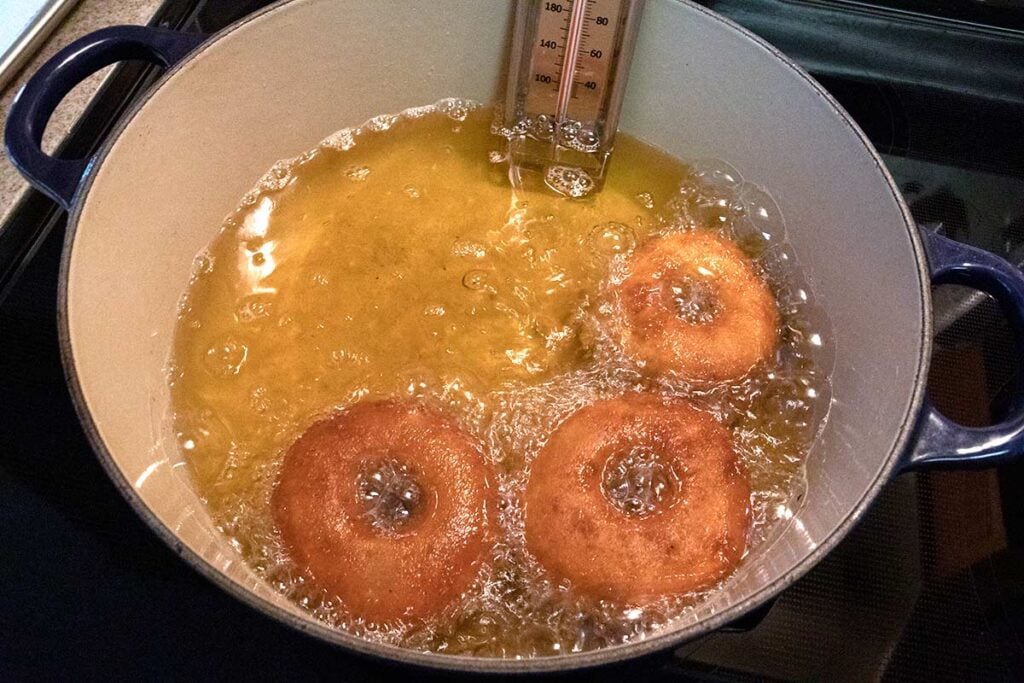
pixel 396 261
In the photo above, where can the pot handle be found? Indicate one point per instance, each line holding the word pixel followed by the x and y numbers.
pixel 939 440
pixel 60 178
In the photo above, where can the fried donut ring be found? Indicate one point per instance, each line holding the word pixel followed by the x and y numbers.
pixel 692 304
pixel 386 505
pixel 636 497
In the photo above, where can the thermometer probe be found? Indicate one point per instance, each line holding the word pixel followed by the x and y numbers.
pixel 567 78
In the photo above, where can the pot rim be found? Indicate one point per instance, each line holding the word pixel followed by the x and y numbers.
pixel 572 661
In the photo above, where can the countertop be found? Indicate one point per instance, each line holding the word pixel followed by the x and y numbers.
pixel 87 16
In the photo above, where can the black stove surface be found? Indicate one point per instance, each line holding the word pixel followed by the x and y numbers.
pixel 929 585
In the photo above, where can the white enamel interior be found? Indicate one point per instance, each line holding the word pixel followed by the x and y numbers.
pixel 275 86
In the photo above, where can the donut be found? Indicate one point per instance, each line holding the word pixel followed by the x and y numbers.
pixel 637 497
pixel 692 304
pixel 386 505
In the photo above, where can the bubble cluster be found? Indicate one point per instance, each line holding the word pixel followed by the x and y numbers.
pixel 611 238
pixel 570 134
pixel 202 265
pixel 696 301
pixel 357 173
pixel 568 181
pixel 381 123
pixel 342 141
pixel 639 482
pixel 226 358
pixel 469 249
pixel 475 279
pixel 253 308
pixel 389 494
pixel 456 109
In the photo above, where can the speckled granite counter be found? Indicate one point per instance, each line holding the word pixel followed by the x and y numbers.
pixel 87 16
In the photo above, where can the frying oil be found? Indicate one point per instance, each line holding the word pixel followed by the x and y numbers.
pixel 397 260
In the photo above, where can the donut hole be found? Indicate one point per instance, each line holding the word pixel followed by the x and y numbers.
pixel 389 494
pixel 694 300
pixel 640 482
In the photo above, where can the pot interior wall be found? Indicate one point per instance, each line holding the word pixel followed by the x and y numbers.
pixel 273 88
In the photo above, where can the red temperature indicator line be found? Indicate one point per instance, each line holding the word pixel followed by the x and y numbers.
pixel 572 46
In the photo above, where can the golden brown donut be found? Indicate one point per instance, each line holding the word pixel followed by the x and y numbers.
pixel 387 506
pixel 637 497
pixel 692 304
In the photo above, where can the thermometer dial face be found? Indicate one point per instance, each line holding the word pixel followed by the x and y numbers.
pixel 573 58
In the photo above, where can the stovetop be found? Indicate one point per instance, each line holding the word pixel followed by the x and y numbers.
pixel 929 585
